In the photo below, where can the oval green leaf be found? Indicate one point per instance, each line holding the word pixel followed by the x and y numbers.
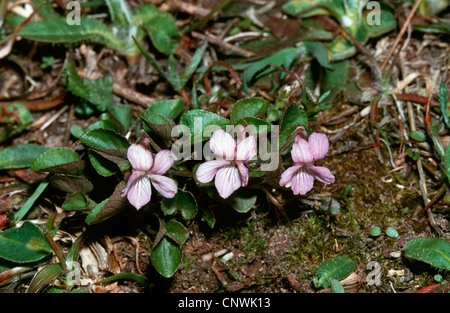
pixel 166 257
pixel 375 231
pixel 59 160
pixel 249 107
pixel 434 251
pixel 20 156
pixel 184 202
pixel 169 108
pixel 24 244
pixel 391 232
pixel 202 123
pixel 71 184
pixel 335 268
pixel 109 207
pixel 177 230
pixel 107 141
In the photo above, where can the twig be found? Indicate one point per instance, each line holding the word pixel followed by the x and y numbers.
pixel 132 95
pixel 69 125
pixel 53 118
pixel 7 49
pixel 300 81
pixel 207 18
pixel 400 35
pixel 372 62
pixel 226 45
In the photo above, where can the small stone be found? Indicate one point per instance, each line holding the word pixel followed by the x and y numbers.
pixel 227 257
pixel 395 254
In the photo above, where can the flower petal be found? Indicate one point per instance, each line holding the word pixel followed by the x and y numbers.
pixel 163 162
pixel 319 145
pixel 301 151
pixel 140 158
pixel 243 172
pixel 222 144
pixel 302 182
pixel 286 177
pixel 323 174
pixel 227 180
pixel 206 171
pixel 246 149
pixel 164 185
pixel 139 192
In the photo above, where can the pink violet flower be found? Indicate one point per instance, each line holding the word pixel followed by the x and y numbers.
pixel 300 176
pixel 148 171
pixel 229 170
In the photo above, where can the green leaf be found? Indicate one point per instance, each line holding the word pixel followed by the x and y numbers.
pixel 98 92
pixel 208 216
pixel 386 24
pixel 106 124
pixel 78 201
pixel 319 52
pixel 336 286
pixel 255 125
pixel 46 11
pixel 126 276
pixel 193 64
pixel 335 79
pixel 177 231
pixel 242 201
pixel 110 207
pixel 120 12
pixel 158 124
pixel 335 268
pixel 295 115
pixel 24 244
pixel 440 27
pixel 284 57
pixel 123 114
pixel 30 202
pixel 434 251
pixel 107 141
pixel 168 108
pixel 391 232
pixel 71 184
pixel 447 162
pixel 95 211
pixel 375 231
pixel 102 165
pixel 20 156
pixel 17 119
pixel 163 32
pixel 59 31
pixel 418 135
pixel 249 107
pixel 202 123
pixel 166 257
pixel 442 98
pixel 59 160
pixel 184 202
pixel 44 276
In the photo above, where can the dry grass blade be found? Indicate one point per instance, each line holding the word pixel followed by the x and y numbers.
pixel 400 34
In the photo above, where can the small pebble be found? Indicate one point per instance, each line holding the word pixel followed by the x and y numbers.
pixel 227 257
pixel 395 254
